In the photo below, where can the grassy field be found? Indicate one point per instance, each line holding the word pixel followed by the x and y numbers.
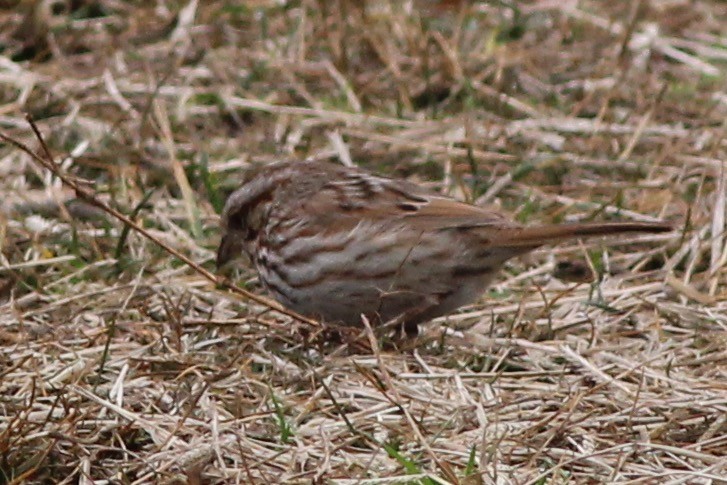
pixel 596 362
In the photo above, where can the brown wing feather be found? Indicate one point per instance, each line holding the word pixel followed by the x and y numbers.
pixel 365 197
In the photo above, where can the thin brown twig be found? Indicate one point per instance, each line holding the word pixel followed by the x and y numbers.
pixel 88 196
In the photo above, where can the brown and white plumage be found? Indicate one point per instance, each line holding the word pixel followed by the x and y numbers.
pixel 335 242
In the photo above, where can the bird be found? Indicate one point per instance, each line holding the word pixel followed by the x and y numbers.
pixel 336 243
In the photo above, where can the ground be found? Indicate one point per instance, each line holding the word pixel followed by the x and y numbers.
pixel 593 362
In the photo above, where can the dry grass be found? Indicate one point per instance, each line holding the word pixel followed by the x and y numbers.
pixel 118 364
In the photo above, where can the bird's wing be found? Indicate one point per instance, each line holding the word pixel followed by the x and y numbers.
pixel 361 197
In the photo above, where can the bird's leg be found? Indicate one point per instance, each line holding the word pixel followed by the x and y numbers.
pixel 407 323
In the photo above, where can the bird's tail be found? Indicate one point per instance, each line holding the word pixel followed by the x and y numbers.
pixel 532 237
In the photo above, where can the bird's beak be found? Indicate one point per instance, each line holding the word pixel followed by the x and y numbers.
pixel 232 248
pixel 226 251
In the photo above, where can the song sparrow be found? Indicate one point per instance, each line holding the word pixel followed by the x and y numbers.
pixel 334 242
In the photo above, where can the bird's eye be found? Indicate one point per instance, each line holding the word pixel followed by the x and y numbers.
pixel 254 222
pixel 237 221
